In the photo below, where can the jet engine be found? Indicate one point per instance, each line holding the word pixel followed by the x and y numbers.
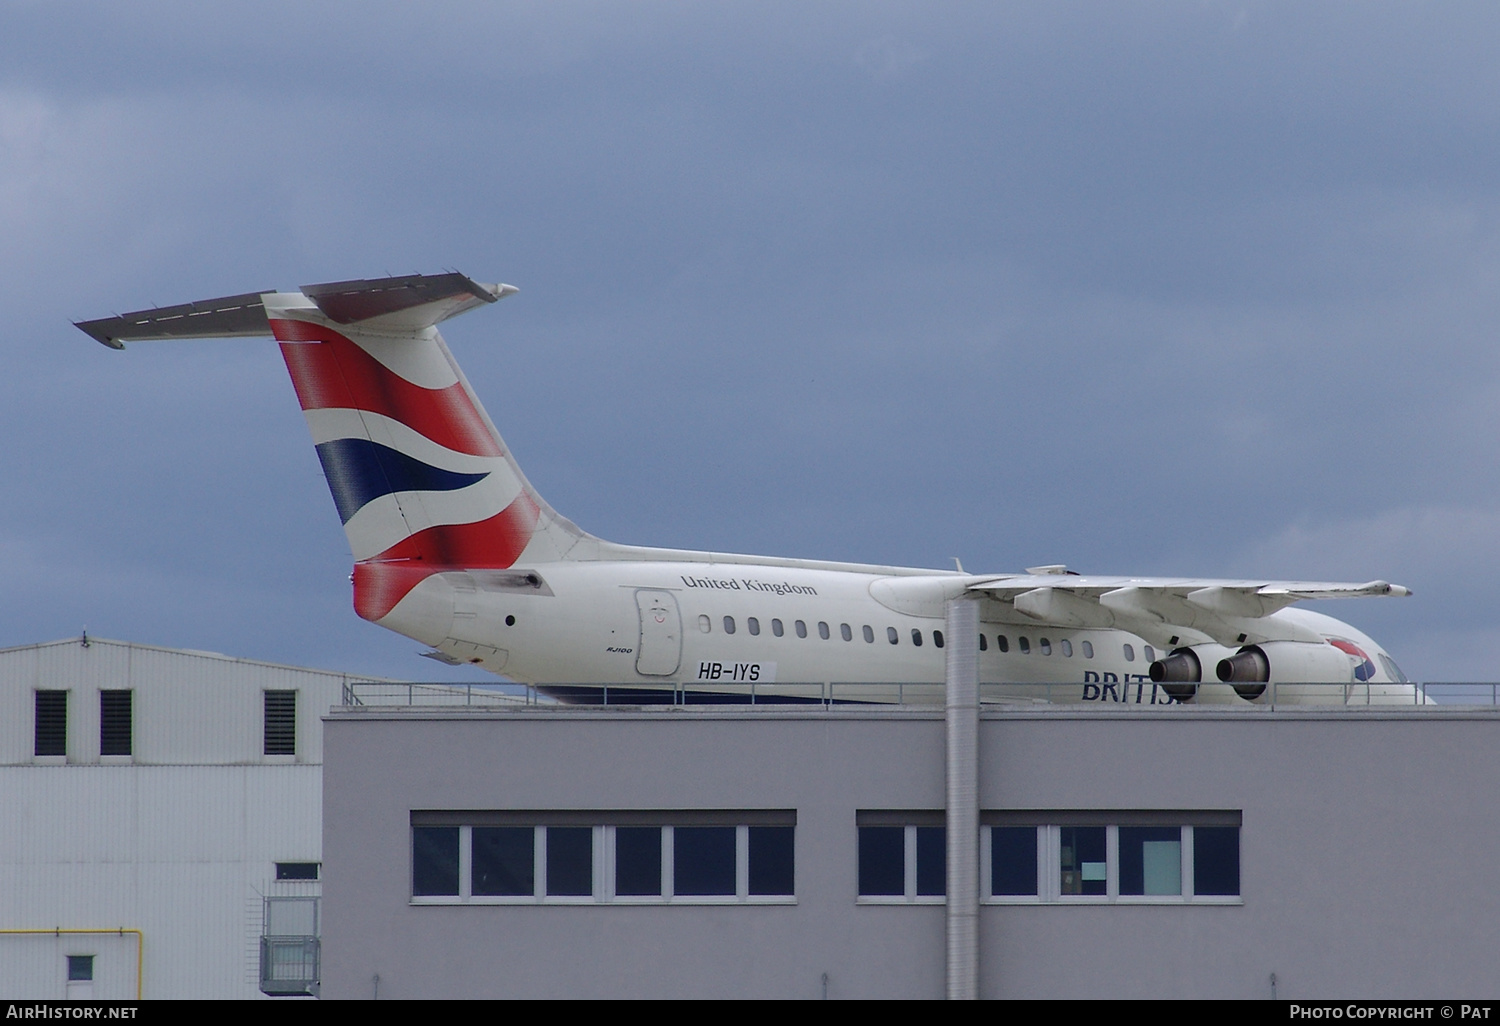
pixel 1289 662
pixel 1178 673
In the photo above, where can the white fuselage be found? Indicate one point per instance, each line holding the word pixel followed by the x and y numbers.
pixel 721 626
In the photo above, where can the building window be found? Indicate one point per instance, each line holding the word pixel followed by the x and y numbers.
pixel 80 968
pixel 114 722
pixel 691 857
pixel 51 723
pixel 281 723
pixel 297 870
pixel 1013 861
pixel 1128 857
pixel 902 861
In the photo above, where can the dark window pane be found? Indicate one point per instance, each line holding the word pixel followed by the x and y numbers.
pixel 1002 643
pixel 754 624
pixel 916 637
pixel 1082 860
pixel 1150 860
pixel 882 860
pixel 504 861
pixel 822 630
pixel 80 968
pixel 281 723
pixel 892 636
pixel 296 870
pixel 51 723
pixel 638 860
pixel 777 629
pixel 772 860
pixel 1025 644
pixel 114 722
pixel 1216 860
pixel 434 861
pixel 937 638
pixel 703 860
pixel 983 645
pixel 728 625
pixel 932 860
pixel 1012 860
pixel 846 632
pixel 801 629
pixel 570 860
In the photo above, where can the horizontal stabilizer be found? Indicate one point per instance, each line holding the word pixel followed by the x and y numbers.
pixel 406 303
pixel 241 316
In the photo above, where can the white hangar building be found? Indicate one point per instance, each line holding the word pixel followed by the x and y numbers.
pixel 162 815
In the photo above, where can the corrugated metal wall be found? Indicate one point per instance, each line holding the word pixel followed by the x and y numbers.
pixel 179 840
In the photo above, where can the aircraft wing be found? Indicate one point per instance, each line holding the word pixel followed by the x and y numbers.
pixel 1170 611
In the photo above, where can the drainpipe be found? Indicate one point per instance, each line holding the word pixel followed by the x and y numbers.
pixel 962 708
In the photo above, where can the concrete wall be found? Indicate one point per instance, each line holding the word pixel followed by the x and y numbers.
pixel 1368 844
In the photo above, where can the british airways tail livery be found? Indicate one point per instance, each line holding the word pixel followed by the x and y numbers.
pixel 453 547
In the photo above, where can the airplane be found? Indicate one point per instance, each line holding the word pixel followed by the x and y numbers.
pixel 454 548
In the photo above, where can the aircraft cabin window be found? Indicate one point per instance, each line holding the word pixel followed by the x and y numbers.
pixel 845 632
pixel 1067 647
pixel 704 623
pixel 822 630
pixel 801 629
pixel 1046 646
pixel 983 645
pixel 1150 653
pixel 1088 650
pixel 891 635
pixel 728 625
pixel 776 628
pixel 869 634
pixel 1129 652
pixel 754 625
pixel 1002 642
pixel 937 638
pixel 1025 644
pixel 916 637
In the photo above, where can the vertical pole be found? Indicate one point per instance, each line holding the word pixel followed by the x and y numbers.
pixel 962 708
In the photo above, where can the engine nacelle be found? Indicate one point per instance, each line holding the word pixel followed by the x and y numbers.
pixel 1178 673
pixel 1287 662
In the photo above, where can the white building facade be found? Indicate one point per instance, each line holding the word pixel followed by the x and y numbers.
pixel 162 815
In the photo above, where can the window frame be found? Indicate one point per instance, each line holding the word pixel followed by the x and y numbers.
pixel 1049 828
pixel 908 823
pixel 603 827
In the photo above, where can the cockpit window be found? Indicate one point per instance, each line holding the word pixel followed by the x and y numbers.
pixel 1391 669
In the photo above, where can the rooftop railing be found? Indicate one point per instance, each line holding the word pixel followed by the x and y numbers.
pixel 1446 695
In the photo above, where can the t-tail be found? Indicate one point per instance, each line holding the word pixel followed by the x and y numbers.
pixel 421 480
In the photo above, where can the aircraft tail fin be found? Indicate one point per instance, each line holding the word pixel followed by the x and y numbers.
pixel 420 478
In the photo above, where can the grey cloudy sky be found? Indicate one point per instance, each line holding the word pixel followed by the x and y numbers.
pixel 1167 288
